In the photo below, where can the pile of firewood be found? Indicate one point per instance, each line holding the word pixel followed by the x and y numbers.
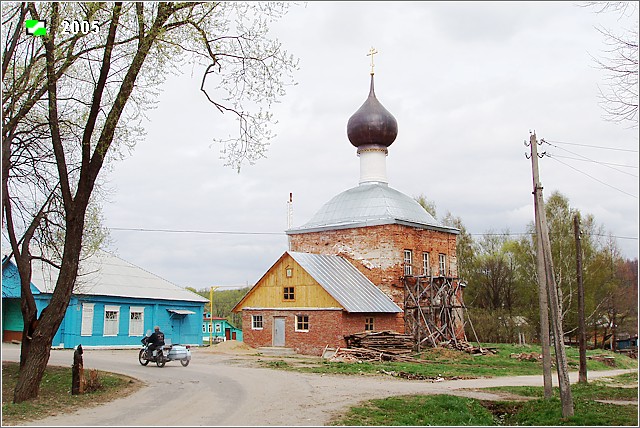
pixel 391 346
pixel 461 345
pixel 352 355
pixel 527 356
pixel 388 342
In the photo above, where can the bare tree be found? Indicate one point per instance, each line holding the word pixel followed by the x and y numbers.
pixel 73 101
pixel 619 97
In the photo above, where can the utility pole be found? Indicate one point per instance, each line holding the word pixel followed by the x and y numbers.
pixel 542 283
pixel 556 316
pixel 544 314
pixel 210 327
pixel 582 335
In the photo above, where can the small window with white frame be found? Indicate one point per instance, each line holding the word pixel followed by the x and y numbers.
pixel 442 262
pixel 426 268
pixel 408 262
pixel 256 322
pixel 302 322
pixel 218 328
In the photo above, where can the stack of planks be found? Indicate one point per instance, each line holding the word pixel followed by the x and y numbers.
pixel 388 342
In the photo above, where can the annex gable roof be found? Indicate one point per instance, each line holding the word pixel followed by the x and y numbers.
pixel 105 274
pixel 342 281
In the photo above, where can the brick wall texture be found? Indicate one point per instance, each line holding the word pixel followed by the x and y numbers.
pixel 378 252
pixel 326 327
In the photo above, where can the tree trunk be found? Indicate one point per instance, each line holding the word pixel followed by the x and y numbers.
pixel 31 373
pixel 37 355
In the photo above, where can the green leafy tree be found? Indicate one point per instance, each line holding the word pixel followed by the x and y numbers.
pixel 428 205
pixel 223 303
pixel 73 102
pixel 465 246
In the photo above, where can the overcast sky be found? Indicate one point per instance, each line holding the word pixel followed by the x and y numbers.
pixel 466 81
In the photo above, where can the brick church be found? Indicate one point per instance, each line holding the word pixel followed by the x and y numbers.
pixel 371 259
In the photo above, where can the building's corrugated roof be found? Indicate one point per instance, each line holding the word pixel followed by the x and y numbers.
pixel 105 274
pixel 370 204
pixel 345 283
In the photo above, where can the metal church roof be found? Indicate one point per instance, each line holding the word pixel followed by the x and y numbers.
pixel 370 204
pixel 345 283
pixel 105 274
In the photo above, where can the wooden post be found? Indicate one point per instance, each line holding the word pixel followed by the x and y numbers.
pixel 562 366
pixel 582 334
pixel 542 281
pixel 77 372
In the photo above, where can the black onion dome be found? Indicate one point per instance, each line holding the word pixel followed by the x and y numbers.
pixel 372 123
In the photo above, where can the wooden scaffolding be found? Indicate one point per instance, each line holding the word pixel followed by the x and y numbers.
pixel 433 310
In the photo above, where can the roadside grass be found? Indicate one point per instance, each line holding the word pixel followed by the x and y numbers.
pixel 446 410
pixel 417 410
pixel 450 364
pixel 623 387
pixel 55 393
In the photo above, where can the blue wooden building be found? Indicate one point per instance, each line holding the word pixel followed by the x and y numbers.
pixel 218 329
pixel 114 304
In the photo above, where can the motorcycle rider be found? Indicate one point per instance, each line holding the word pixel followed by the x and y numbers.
pixel 155 341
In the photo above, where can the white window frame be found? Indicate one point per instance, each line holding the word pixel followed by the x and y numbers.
pixel 136 327
pixel 86 328
pixel 204 327
pixel 442 264
pixel 255 320
pixel 408 262
pixel 300 321
pixel 218 328
pixel 426 267
pixel 210 327
pixel 111 322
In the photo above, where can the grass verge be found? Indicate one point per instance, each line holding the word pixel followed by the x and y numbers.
pixel 449 364
pixel 446 410
pixel 55 393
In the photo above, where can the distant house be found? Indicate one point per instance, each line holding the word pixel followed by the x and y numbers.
pixel 308 301
pixel 219 329
pixel 626 341
pixel 114 303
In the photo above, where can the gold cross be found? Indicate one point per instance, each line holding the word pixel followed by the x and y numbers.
pixel 371 53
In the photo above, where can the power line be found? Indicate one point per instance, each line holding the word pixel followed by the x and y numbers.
pixel 595 147
pixel 586 158
pixel 280 233
pixel 593 178
pixel 205 232
pixel 602 163
pixel 533 233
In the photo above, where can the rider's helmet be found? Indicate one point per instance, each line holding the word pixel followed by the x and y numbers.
pixel 156 328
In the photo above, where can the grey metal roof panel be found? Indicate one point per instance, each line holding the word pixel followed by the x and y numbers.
pixel 345 283
pixel 105 274
pixel 370 204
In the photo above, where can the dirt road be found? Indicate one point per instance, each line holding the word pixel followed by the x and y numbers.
pixel 228 389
